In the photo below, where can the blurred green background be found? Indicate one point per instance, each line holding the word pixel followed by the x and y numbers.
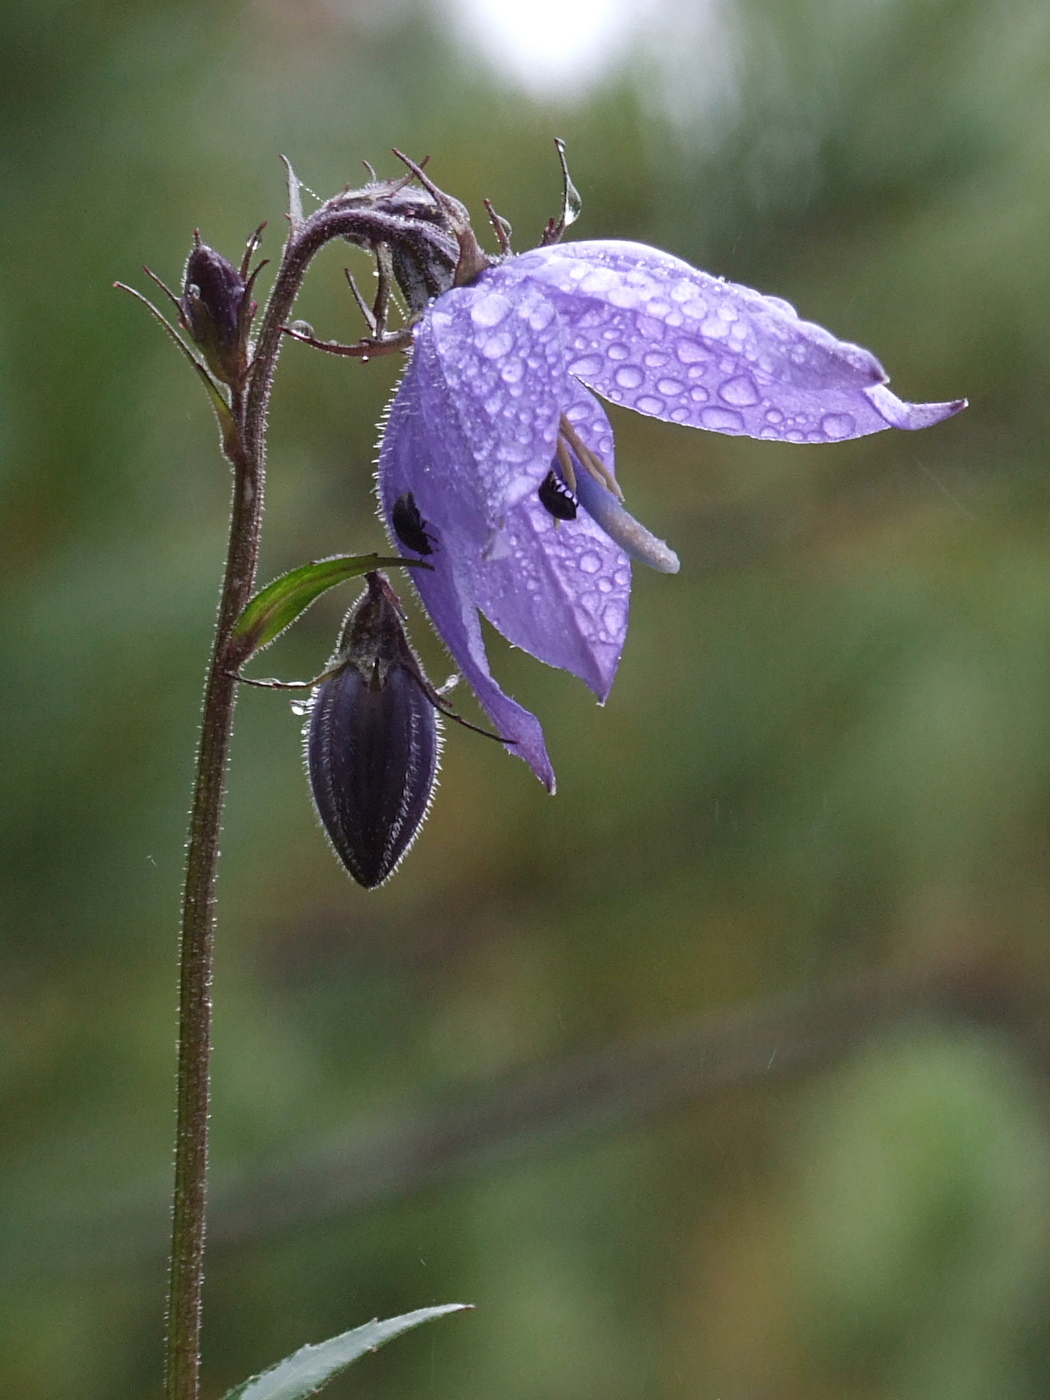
pixel 827 753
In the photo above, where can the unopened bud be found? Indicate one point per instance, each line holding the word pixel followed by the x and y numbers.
pixel 215 312
pixel 372 744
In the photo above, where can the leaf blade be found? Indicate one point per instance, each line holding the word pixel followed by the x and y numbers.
pixel 276 606
pixel 304 1372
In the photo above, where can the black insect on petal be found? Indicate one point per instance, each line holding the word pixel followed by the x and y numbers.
pixel 372 744
pixel 409 527
pixel 556 498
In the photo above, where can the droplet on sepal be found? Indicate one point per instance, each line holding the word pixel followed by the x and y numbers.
pixel 372 743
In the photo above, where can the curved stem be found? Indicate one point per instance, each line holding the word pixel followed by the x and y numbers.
pixel 246 450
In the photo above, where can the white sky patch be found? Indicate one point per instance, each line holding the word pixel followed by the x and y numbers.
pixel 550 46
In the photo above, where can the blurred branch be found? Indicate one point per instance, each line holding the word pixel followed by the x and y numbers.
pixel 523 1116
pixel 600 1091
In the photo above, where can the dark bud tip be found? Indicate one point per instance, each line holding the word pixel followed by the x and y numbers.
pixel 213 311
pixel 372 744
pixel 556 498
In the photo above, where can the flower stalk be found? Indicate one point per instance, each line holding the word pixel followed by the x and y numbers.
pixel 382 215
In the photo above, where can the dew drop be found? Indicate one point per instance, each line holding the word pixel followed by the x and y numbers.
pixel 541 316
pixel 626 298
pixel 690 353
pixel 598 280
pixel 494 347
pixel 490 310
pixel 722 420
pixel 649 403
pixel 618 350
pixel 586 365
pixel 671 387
pixel 699 394
pixel 628 376
pixel 837 425
pixel 714 328
pixel 774 415
pixel 740 391
pixel 589 563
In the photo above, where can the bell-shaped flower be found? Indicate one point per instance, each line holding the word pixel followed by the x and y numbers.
pixel 497 460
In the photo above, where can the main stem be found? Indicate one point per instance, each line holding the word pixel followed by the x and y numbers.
pixel 198 931
pixel 366 226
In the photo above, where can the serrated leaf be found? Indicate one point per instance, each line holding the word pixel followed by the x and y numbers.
pixel 311 1367
pixel 276 606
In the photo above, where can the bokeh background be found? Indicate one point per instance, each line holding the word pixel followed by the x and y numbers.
pixel 823 774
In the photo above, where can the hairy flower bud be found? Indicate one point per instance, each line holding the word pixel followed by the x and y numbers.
pixel 372 744
pixel 216 310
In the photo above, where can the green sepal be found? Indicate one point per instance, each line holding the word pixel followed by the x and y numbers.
pixel 276 606
pixel 227 422
pixel 311 1367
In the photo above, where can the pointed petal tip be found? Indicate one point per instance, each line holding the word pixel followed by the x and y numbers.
pixel 910 416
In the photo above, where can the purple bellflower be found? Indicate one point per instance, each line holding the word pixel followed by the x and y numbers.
pixel 497 459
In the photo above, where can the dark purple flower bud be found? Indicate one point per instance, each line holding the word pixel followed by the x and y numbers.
pixel 372 744
pixel 217 310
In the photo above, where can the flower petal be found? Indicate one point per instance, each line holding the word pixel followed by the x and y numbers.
pixel 490 368
pixel 415 457
pixel 560 589
pixel 646 330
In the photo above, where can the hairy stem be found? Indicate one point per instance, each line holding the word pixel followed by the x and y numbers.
pixel 349 218
pixel 198 932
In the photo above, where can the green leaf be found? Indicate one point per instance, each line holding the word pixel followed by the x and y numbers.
pixel 307 1370
pixel 276 606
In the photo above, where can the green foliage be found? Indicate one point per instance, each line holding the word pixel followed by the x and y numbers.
pixel 309 1369
pixel 276 606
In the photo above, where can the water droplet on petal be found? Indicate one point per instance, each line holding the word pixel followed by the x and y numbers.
pixel 774 415
pixel 618 351
pixel 541 315
pixel 722 420
pixel 671 387
pixel 586 365
pixel 590 563
pixel 690 353
pixel 490 310
pixel 740 391
pixel 629 377
pixel 649 403
pixel 837 425
pixel 494 347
